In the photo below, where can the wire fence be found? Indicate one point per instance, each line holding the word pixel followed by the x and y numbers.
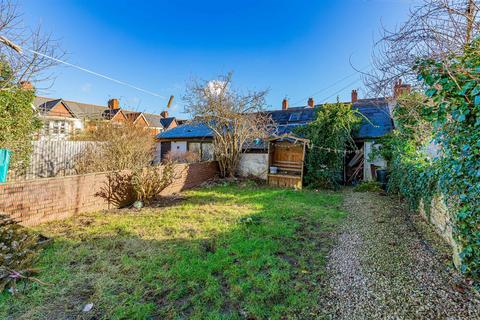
pixel 52 158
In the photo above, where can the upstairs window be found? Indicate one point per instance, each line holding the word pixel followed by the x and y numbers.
pixel 295 116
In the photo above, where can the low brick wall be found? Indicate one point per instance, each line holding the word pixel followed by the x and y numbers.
pixel 36 201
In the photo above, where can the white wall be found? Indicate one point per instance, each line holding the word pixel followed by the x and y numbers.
pixel 380 162
pixel 253 164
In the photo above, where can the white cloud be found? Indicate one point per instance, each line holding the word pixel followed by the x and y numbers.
pixel 215 86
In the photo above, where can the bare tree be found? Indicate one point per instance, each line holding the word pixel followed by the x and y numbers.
pixel 434 29
pixel 27 51
pixel 236 119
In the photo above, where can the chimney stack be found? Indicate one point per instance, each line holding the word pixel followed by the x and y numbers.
pixel 285 104
pixel 26 85
pixel 400 89
pixel 311 103
pixel 354 96
pixel 113 104
pixel 164 114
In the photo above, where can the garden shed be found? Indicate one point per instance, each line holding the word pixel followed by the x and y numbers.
pixel 286 156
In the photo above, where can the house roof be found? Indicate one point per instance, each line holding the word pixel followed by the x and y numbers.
pixel 166 122
pixel 379 121
pixel 110 113
pixel 86 110
pixel 154 120
pixel 188 130
pixel 376 111
pixel 95 112
pixel 44 105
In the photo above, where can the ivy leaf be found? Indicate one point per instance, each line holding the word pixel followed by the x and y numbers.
pixel 466 87
pixel 475 90
pixel 430 92
pixel 477 101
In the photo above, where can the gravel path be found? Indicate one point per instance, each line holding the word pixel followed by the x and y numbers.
pixel 382 268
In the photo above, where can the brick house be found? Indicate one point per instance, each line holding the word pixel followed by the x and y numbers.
pixel 64 118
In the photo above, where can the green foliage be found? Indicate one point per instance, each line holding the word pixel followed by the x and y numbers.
pixel 412 173
pixel 449 113
pixel 454 89
pixel 330 132
pixel 371 186
pixel 18 120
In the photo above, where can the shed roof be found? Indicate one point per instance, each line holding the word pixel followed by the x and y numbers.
pixel 189 130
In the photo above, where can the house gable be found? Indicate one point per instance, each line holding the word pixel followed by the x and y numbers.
pixel 119 117
pixel 60 110
pixel 141 121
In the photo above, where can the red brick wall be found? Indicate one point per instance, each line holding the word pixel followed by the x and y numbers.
pixel 36 201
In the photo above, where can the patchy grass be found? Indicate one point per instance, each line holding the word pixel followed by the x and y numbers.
pixel 225 252
pixel 368 186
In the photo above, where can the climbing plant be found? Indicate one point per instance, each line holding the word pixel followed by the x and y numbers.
pixel 453 86
pixel 329 135
pixel 412 171
pixel 447 114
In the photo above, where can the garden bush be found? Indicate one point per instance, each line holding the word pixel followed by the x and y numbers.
pixel 329 134
pixel 18 252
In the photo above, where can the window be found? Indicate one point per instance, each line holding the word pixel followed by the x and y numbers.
pixel 194 147
pixel 207 151
pixel 56 127
pixel 295 116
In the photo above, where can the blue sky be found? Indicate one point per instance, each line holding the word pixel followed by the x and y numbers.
pixel 293 48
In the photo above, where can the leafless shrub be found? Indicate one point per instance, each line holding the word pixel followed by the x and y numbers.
pixel 150 181
pixel 117 190
pixel 121 147
pixel 235 118
pixel 434 29
pixel 183 156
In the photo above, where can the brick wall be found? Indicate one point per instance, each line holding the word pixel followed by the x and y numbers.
pixel 37 201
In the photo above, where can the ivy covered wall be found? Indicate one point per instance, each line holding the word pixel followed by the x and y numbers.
pixel 448 113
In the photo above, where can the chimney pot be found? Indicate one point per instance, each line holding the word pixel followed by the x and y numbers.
pixel 285 104
pixel 164 114
pixel 400 89
pixel 354 96
pixel 113 104
pixel 26 85
pixel 311 103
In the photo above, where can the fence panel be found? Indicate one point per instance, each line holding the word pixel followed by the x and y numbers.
pixel 52 158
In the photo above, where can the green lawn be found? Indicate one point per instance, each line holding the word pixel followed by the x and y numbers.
pixel 225 252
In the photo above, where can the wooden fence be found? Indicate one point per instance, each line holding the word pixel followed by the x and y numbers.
pixel 52 158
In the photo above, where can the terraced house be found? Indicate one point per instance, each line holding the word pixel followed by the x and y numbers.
pixel 62 118
pixel 377 122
